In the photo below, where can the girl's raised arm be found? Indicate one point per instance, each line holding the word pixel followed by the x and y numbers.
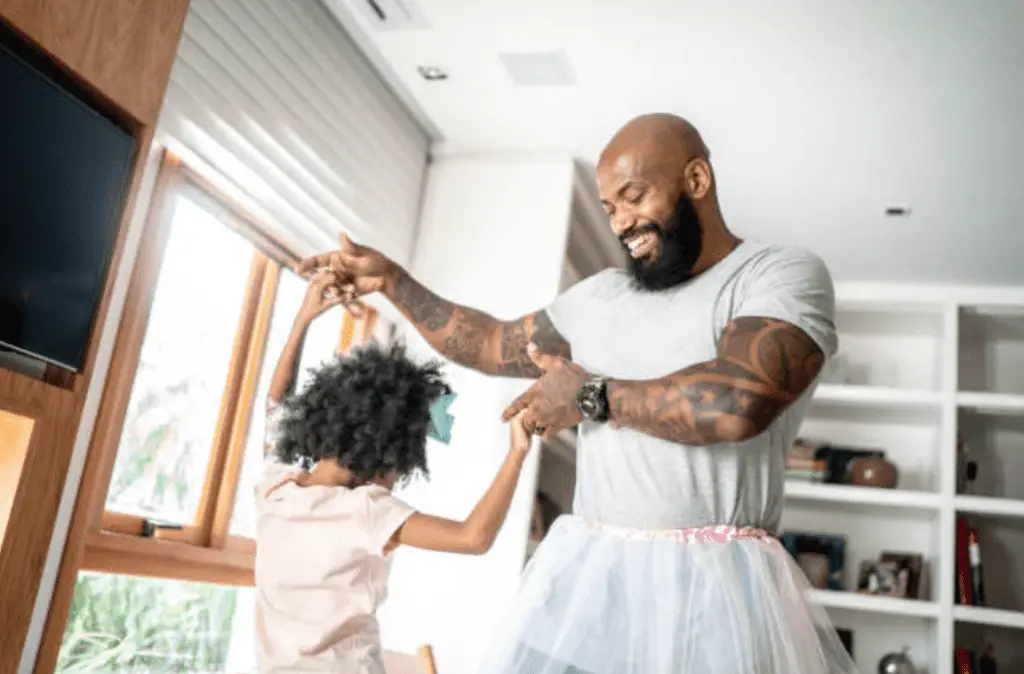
pixel 476 534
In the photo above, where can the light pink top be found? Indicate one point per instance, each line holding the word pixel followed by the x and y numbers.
pixel 320 573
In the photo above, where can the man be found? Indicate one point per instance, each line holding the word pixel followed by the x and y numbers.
pixel 688 374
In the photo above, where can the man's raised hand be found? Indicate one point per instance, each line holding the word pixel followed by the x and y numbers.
pixel 549 405
pixel 360 270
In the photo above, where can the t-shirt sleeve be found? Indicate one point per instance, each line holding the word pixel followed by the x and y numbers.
pixel 794 285
pixel 385 514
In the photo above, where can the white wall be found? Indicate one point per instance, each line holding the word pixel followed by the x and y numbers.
pixel 492 236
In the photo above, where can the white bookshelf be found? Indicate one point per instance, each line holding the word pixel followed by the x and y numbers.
pixel 927 363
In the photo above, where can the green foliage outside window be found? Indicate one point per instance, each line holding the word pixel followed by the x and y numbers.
pixel 129 624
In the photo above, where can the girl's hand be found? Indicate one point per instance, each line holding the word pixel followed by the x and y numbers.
pixel 521 438
pixel 323 293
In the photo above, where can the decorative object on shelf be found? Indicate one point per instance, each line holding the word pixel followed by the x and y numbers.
pixel 801 463
pixel 839 460
pixel 974 558
pixel 803 546
pixel 884 579
pixel 874 471
pixel 913 565
pixel 896 663
pixel 971 662
pixel 821 462
pixel 815 567
pixel 987 662
pixel 966 469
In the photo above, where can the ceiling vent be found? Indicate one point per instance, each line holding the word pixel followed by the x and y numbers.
pixel 393 15
pixel 538 69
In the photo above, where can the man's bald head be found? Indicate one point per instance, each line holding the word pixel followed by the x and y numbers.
pixel 667 137
pixel 657 187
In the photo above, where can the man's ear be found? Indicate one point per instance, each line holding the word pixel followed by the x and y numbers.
pixel 698 178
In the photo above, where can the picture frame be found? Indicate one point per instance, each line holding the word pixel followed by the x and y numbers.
pixel 883 578
pixel 802 544
pixel 913 565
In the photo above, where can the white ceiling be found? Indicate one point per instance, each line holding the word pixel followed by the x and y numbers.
pixel 819 115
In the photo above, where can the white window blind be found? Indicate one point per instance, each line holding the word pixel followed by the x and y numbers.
pixel 272 102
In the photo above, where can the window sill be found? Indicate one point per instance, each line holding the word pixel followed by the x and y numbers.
pixel 131 555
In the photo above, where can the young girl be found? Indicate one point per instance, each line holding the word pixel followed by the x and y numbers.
pixel 326 516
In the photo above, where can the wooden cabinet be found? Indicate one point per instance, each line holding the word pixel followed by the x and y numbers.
pixel 121 51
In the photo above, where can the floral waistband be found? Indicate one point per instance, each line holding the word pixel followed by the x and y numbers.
pixel 711 534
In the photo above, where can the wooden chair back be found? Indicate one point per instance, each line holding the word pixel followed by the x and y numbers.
pixel 422 662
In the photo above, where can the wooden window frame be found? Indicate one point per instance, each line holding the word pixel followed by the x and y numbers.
pixel 204 551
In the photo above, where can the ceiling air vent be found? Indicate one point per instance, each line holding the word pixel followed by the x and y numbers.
pixel 393 15
pixel 538 69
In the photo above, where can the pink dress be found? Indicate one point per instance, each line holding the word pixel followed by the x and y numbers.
pixel 321 573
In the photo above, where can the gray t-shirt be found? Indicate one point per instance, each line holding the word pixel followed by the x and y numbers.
pixel 631 479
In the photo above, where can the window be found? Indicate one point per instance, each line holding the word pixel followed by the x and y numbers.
pixel 131 624
pixel 161 548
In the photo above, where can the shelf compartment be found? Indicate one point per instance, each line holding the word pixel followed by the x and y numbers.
pixel 798 490
pixel 991 350
pixel 909 437
pixel 895 349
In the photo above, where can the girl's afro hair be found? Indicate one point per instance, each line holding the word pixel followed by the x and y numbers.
pixel 369 409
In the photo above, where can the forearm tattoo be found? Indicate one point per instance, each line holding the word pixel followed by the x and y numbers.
pixel 475 339
pixel 762 367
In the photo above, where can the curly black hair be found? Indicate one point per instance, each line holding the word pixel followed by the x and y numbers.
pixel 369 410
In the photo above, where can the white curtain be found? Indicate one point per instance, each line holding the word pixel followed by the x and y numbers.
pixel 272 102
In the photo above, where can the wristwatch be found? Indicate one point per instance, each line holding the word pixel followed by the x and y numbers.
pixel 592 399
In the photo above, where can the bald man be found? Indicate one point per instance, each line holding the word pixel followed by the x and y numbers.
pixel 687 374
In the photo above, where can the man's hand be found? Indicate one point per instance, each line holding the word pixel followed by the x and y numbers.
pixel 323 293
pixel 550 405
pixel 360 270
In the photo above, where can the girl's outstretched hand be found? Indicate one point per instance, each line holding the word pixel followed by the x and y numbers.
pixel 521 438
pixel 324 292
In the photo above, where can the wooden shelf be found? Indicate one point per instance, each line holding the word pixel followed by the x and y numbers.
pixel 989 505
pixel 994 617
pixel 885 498
pixel 853 601
pixel 876 395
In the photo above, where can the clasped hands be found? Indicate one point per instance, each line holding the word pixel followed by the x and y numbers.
pixel 550 404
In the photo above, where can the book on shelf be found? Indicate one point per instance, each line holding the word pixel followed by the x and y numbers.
pixel 975 662
pixel 974 557
pixel 963 594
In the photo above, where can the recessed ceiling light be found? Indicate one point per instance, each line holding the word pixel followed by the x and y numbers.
pixel 432 73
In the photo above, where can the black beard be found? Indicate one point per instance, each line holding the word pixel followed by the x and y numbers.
pixel 680 241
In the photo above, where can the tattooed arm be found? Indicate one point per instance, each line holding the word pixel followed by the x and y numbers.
pixel 763 365
pixel 473 338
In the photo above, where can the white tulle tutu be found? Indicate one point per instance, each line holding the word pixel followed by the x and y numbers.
pixel 720 600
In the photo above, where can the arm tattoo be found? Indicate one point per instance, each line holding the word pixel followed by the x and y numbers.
pixel 428 311
pixel 763 365
pixel 475 339
pixel 516 337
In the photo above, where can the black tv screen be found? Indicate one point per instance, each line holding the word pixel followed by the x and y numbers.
pixel 64 174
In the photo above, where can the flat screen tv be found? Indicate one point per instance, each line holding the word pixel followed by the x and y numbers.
pixel 64 175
